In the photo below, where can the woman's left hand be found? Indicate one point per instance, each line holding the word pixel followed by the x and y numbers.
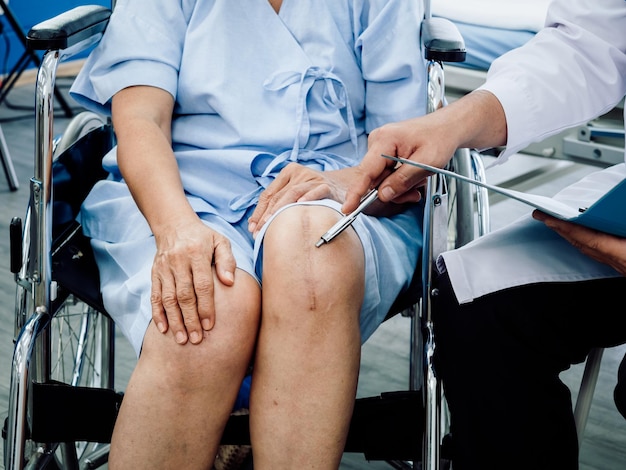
pixel 600 246
pixel 298 183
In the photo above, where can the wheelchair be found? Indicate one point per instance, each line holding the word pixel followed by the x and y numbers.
pixel 62 404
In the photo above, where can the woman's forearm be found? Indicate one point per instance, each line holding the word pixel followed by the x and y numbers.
pixel 146 159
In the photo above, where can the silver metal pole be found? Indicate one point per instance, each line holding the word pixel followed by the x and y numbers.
pixel 18 396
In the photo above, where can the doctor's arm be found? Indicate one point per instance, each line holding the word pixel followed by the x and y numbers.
pixel 182 273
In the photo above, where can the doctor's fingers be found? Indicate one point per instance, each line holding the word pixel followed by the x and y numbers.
pixel 369 172
pixel 402 185
pixel 602 247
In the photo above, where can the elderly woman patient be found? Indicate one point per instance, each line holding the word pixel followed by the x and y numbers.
pixel 239 124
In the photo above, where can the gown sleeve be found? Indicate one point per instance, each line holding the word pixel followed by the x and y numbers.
pixel 388 46
pixel 142 45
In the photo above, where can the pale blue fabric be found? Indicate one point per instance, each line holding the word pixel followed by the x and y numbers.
pixel 254 91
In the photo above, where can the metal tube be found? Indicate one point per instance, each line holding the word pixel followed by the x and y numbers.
pixel 436 86
pixel 462 164
pixel 41 186
pixel 432 431
pixel 585 392
pixel 482 196
pixel 20 381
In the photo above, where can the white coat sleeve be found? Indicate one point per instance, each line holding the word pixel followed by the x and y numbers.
pixel 572 71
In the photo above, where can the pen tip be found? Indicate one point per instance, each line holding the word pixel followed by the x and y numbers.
pixel 319 243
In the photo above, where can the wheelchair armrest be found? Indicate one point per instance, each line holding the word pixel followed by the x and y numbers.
pixel 69 28
pixel 442 40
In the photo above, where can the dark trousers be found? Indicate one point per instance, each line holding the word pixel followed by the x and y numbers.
pixel 499 359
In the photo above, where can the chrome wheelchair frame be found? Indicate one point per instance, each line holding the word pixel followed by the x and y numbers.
pixel 38 431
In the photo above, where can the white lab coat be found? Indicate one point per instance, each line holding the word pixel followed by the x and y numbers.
pixel 572 71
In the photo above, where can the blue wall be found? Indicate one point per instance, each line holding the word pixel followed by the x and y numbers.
pixel 27 14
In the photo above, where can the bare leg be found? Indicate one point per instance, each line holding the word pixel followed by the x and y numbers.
pixel 308 352
pixel 179 397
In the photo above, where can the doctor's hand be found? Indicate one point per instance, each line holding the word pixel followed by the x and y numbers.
pixel 190 258
pixel 422 139
pixel 476 120
pixel 600 246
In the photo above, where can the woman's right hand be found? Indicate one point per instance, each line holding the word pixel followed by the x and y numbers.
pixel 183 274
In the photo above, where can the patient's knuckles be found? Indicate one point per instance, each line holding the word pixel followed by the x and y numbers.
pixel 292 169
pixel 186 295
pixel 156 298
pixel 169 301
pixel 265 197
pixel 203 285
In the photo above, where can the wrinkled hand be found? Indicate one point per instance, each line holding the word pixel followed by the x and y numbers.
pixel 298 183
pixel 182 279
pixel 600 246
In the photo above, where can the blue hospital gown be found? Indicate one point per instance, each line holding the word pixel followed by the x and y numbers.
pixel 254 91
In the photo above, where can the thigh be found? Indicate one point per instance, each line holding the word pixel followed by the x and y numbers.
pixel 559 322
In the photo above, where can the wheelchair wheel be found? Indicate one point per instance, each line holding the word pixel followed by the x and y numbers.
pixel 77 347
pixel 468 205
pixel 81 355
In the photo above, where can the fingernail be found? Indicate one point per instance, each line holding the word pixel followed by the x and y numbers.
pixel 181 338
pixel 195 337
pixel 388 193
pixel 161 327
pixel 251 226
pixel 206 324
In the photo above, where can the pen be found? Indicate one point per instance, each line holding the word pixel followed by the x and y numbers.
pixel 347 220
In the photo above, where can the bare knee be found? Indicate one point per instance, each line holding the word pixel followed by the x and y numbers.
pixel 225 350
pixel 313 279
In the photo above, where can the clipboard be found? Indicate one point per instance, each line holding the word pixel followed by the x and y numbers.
pixel 607 214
